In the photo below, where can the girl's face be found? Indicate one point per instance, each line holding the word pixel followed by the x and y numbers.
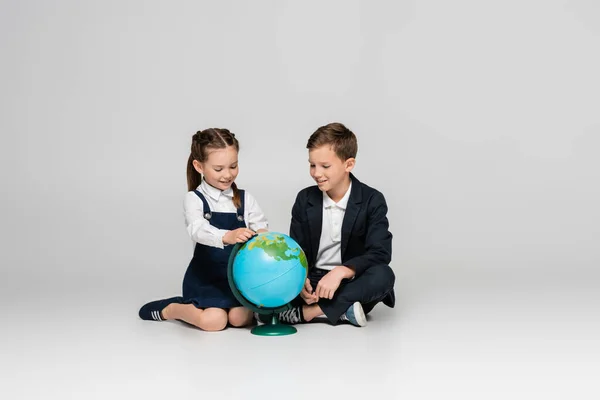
pixel 221 167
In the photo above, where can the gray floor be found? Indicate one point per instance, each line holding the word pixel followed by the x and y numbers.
pixel 477 120
pixel 463 335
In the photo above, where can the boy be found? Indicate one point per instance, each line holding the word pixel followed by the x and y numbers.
pixel 341 225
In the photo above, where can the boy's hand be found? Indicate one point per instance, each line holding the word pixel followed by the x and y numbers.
pixel 239 235
pixel 329 284
pixel 307 293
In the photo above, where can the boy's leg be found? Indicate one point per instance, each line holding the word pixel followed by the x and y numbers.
pixel 300 311
pixel 369 289
pixel 374 285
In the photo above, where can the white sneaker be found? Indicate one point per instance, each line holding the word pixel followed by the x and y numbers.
pixel 355 315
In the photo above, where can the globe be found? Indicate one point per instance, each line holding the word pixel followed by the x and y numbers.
pixel 265 274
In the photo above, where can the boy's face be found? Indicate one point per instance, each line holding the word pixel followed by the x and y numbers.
pixel 220 168
pixel 328 170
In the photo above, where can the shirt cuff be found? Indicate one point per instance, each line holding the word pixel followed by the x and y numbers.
pixel 256 226
pixel 219 238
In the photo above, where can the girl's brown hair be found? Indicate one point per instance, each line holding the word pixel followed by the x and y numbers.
pixel 202 142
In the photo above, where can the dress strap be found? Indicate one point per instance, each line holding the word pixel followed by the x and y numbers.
pixel 207 212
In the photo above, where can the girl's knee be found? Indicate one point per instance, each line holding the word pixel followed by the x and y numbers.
pixel 239 316
pixel 213 319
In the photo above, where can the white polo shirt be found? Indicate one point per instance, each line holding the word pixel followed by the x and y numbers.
pixel 329 255
pixel 201 231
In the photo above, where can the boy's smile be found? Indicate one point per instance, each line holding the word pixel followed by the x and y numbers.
pixel 331 174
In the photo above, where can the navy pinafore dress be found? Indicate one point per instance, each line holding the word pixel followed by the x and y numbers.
pixel 205 282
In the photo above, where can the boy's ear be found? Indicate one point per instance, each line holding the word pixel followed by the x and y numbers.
pixel 197 166
pixel 350 164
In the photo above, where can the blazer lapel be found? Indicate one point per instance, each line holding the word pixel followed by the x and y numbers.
pixel 351 213
pixel 315 221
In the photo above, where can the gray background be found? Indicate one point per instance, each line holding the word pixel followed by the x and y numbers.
pixel 478 121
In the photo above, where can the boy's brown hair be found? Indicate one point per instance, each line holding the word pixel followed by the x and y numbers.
pixel 341 139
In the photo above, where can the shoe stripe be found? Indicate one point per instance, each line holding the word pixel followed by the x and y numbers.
pixel 156 316
pixel 290 316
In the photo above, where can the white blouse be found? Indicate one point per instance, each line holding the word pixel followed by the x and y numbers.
pixel 201 231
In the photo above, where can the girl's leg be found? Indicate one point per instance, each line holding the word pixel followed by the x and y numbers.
pixel 209 319
pixel 240 316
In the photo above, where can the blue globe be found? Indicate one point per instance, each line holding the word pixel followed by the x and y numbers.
pixel 269 270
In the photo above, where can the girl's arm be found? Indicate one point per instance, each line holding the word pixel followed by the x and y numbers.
pixel 199 229
pixel 255 217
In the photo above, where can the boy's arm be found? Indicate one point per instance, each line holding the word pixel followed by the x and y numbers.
pixel 297 225
pixel 378 239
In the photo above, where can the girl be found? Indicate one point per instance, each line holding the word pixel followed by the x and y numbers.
pixel 217 215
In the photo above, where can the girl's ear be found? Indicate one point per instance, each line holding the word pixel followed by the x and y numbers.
pixel 350 164
pixel 197 166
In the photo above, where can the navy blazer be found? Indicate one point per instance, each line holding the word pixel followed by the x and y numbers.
pixel 366 240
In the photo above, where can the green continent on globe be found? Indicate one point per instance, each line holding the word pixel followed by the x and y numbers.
pixel 278 249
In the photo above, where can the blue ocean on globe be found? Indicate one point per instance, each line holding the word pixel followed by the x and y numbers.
pixel 270 269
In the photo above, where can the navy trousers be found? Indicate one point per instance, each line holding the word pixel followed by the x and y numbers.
pixel 373 286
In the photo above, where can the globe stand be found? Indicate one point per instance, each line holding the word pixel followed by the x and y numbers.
pixel 272 328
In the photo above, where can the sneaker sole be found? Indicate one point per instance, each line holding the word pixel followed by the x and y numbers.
pixel 359 314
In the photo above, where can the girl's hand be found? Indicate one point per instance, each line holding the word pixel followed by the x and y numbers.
pixel 239 235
